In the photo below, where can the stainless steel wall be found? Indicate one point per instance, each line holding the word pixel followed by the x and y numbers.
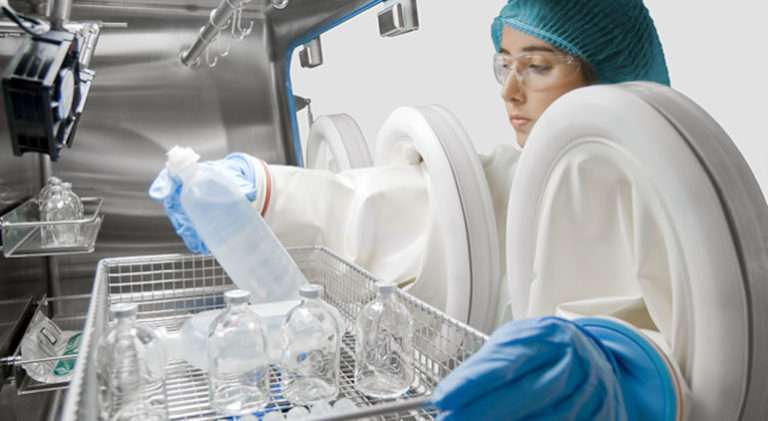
pixel 144 101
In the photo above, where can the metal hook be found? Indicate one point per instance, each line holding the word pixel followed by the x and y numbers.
pixel 213 53
pixel 279 4
pixel 211 62
pixel 238 31
pixel 228 46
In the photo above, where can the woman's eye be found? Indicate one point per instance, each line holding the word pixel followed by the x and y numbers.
pixel 539 68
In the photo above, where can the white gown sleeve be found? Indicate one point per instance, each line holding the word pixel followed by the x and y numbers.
pixel 375 217
pixel 600 252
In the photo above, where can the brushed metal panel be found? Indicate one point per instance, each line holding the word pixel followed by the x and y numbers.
pixel 142 103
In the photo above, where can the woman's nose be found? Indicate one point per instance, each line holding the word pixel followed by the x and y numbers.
pixel 512 89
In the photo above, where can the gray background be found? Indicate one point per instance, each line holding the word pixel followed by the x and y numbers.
pixel 715 52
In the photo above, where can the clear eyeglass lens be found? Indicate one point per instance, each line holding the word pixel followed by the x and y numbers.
pixel 536 70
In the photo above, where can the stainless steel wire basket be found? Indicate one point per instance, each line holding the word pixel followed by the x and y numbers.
pixel 170 288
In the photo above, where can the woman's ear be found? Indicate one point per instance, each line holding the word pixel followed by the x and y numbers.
pixel 588 73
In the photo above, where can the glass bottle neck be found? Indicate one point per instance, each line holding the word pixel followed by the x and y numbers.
pixel 385 296
pixel 124 324
pixel 237 307
pixel 125 319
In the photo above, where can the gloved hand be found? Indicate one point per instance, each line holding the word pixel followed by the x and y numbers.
pixel 247 172
pixel 553 369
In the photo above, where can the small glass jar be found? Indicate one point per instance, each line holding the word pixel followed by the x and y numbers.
pixel 384 346
pixel 311 354
pixel 238 365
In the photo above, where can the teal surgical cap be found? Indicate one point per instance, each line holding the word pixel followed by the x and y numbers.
pixel 616 37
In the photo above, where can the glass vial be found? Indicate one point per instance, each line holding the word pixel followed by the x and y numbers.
pixel 61 205
pixel 131 364
pixel 311 354
pixel 238 366
pixel 384 346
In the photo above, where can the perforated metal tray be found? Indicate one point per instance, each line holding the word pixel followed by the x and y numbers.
pixel 169 289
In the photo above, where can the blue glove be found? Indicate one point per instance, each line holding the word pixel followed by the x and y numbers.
pixel 167 189
pixel 553 369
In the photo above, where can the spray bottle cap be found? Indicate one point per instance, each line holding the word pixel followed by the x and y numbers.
pixel 181 160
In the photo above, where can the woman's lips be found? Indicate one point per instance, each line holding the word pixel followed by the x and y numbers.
pixel 519 122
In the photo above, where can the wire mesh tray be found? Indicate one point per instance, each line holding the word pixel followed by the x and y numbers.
pixel 69 314
pixel 24 232
pixel 169 289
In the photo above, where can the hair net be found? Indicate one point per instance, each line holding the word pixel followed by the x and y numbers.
pixel 616 37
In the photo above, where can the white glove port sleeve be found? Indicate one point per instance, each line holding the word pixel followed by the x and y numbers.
pixel 601 252
pixel 376 217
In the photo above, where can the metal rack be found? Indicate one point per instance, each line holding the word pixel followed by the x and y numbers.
pixel 14 316
pixel 22 230
pixel 169 289
pixel 69 315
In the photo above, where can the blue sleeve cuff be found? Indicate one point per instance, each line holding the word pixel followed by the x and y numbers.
pixel 243 172
pixel 646 381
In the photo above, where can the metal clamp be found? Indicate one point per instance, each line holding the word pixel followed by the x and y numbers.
pixel 312 54
pixel 399 18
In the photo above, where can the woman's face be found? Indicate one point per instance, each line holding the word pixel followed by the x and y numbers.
pixel 525 102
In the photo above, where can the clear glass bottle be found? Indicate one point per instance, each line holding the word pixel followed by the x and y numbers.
pixel 42 197
pixel 79 208
pixel 61 205
pixel 384 346
pixel 238 365
pixel 311 353
pixel 131 362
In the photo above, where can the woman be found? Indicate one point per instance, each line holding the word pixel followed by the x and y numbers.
pixel 551 368
pixel 542 368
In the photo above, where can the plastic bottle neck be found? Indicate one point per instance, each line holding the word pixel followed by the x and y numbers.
pixel 188 172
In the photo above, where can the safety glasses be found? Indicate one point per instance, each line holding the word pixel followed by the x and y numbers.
pixel 536 70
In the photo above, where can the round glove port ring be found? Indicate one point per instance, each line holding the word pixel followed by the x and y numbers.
pixel 336 143
pixel 468 254
pixel 718 300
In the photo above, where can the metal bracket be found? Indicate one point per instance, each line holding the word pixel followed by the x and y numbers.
pixel 399 18
pixel 312 54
